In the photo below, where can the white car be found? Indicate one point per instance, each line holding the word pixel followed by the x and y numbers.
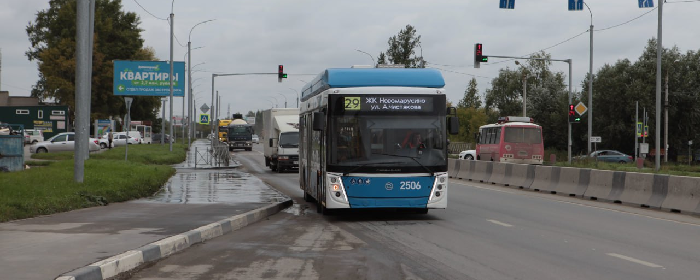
pixel 119 139
pixel 60 143
pixel 467 155
pixel 33 136
pixel 256 139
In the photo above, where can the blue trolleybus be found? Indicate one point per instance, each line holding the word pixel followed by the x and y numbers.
pixel 375 138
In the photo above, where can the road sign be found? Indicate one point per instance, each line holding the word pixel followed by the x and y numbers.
pixel 581 109
pixel 639 129
pixel 596 139
pixel 575 5
pixel 646 3
pixel 204 108
pixel 203 118
pixel 506 4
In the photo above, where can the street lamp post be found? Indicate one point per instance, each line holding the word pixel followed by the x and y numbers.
pixel 285 99
pixel 297 96
pixel 370 56
pixel 524 88
pixel 189 73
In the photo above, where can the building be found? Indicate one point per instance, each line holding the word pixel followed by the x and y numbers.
pixel 28 111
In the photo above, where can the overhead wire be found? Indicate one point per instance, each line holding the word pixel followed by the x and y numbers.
pixel 139 4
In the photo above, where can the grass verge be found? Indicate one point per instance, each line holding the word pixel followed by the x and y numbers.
pixel 108 178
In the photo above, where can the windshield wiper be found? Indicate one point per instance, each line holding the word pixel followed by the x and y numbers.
pixel 413 158
pixel 371 163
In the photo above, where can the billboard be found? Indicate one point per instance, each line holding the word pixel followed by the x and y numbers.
pixel 148 78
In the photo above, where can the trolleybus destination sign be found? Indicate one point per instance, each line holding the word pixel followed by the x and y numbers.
pixel 388 103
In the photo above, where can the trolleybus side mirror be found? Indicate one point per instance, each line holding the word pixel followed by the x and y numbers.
pixel 319 121
pixel 270 143
pixel 453 124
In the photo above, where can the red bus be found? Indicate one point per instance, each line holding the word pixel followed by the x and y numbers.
pixel 512 140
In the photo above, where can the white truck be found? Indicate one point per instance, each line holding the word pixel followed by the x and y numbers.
pixel 281 138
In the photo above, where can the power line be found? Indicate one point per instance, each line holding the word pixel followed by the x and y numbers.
pixel 626 22
pixel 683 1
pixel 137 3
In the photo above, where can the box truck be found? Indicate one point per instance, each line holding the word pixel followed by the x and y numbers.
pixel 281 138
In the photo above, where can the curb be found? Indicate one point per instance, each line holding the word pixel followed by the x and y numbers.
pixel 132 259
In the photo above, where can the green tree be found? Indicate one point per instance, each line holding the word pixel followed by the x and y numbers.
pixel 401 49
pixel 471 97
pixel 116 36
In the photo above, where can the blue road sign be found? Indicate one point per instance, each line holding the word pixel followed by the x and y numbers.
pixel 507 4
pixel 203 118
pixel 646 3
pixel 575 5
pixel 148 78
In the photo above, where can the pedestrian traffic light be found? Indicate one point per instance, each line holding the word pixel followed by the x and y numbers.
pixel 280 73
pixel 573 118
pixel 479 55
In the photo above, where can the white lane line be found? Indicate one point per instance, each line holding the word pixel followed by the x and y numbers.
pixel 554 199
pixel 631 259
pixel 500 223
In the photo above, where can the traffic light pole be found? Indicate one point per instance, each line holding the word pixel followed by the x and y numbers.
pixel 570 62
pixel 213 76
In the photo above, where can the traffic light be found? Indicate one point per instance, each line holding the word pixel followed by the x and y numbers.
pixel 280 73
pixel 479 55
pixel 573 118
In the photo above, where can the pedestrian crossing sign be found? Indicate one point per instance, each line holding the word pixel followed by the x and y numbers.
pixel 203 118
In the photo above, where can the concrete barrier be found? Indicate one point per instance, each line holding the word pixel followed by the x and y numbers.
pixel 482 171
pixel 637 189
pixel 543 178
pixel 572 181
pixel 600 184
pixel 452 167
pixel 464 166
pixel 498 174
pixel 521 176
pixel 683 195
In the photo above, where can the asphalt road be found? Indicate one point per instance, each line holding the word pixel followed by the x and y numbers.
pixel 487 232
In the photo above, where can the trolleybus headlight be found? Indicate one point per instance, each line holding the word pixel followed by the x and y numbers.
pixel 440 186
pixel 442 179
pixel 334 180
pixel 283 158
pixel 336 187
pixel 437 194
pixel 337 194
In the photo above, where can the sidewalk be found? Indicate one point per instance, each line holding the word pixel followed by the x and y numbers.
pixel 48 246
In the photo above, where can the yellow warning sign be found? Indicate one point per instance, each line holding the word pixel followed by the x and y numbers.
pixel 581 109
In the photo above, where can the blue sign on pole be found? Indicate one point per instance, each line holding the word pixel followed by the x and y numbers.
pixel 148 78
pixel 646 3
pixel 507 4
pixel 575 5
pixel 204 118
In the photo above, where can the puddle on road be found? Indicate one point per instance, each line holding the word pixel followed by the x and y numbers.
pixel 296 210
pixel 195 186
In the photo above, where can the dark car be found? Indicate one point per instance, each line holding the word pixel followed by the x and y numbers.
pixel 609 156
pixel 156 138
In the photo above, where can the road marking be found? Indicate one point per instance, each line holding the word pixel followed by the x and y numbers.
pixel 554 199
pixel 631 259
pixel 500 223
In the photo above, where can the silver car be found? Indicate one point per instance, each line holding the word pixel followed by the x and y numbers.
pixel 60 143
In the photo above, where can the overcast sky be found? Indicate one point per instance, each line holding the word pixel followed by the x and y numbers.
pixel 308 36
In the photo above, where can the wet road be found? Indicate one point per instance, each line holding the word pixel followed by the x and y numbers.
pixel 487 232
pixel 47 246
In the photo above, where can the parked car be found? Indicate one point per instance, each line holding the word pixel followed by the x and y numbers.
pixel 32 136
pixel 61 142
pixel 120 139
pixel 156 138
pixel 468 155
pixel 608 156
pixel 256 139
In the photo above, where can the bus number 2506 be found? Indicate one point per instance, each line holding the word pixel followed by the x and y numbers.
pixel 408 185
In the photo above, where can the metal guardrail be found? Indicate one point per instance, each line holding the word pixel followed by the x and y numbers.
pixel 455 148
pixel 220 154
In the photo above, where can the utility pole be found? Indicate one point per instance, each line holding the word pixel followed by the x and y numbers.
pixel 162 123
pixel 82 90
pixel 659 51
pixel 666 122
pixel 636 130
pixel 524 93
pixel 172 23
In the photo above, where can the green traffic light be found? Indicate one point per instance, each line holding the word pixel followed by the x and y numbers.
pixel 484 59
pixel 284 75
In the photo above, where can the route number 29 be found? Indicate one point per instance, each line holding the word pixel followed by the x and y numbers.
pixel 352 103
pixel 408 185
